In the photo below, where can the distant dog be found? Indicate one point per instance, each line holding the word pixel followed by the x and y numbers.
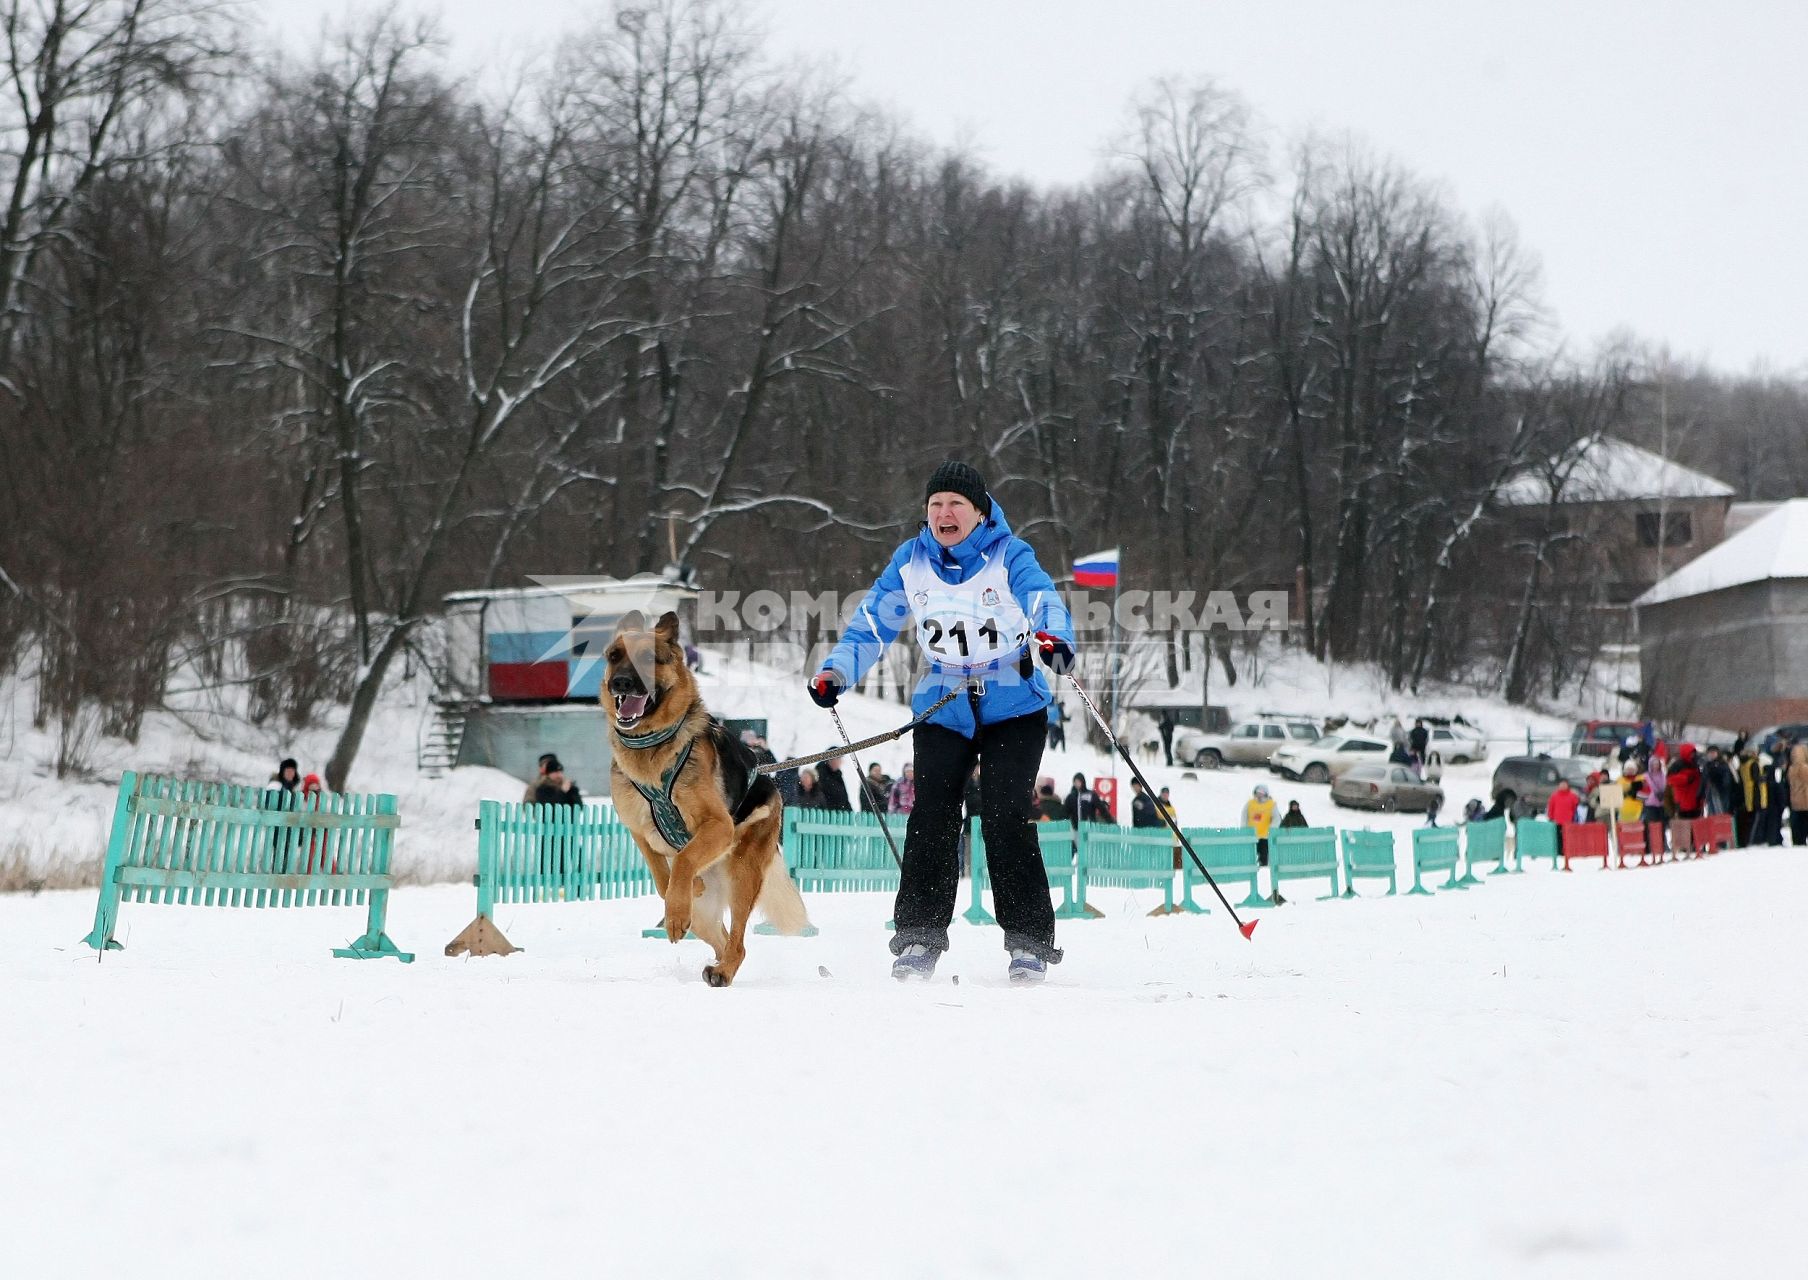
pixel 706 823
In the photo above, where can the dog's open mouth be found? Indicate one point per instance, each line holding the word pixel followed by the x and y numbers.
pixel 631 709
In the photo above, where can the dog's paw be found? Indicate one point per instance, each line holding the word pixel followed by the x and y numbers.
pixel 715 977
pixel 677 921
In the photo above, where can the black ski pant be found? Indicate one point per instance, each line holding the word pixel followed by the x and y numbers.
pixel 1010 753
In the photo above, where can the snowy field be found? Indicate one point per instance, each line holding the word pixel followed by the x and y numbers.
pixel 1596 1074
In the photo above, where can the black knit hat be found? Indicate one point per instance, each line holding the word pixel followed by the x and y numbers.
pixel 958 477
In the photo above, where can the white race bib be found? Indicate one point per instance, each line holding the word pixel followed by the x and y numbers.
pixel 967 625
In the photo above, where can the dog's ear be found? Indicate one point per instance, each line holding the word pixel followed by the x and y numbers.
pixel 634 620
pixel 667 627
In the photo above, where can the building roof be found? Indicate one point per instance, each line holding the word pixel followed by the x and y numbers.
pixel 1774 547
pixel 579 588
pixel 1743 515
pixel 1603 469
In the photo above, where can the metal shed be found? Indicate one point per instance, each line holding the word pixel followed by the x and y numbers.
pixel 523 671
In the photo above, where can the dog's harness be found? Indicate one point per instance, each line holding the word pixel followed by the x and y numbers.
pixel 658 737
pixel 667 816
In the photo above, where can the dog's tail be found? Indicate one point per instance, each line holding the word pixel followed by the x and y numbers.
pixel 779 900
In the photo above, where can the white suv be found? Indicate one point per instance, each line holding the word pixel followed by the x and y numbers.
pixel 1456 744
pixel 1326 759
pixel 1248 742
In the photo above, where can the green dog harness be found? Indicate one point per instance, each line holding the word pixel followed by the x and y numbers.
pixel 666 814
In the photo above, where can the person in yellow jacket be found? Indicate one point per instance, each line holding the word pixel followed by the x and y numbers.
pixel 1258 814
pixel 1632 804
pixel 1165 803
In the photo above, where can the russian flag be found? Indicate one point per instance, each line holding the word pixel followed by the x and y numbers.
pixel 1096 570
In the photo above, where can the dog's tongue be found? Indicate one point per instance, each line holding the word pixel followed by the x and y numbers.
pixel 632 707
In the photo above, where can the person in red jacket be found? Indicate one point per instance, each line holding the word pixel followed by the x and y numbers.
pixel 1562 808
pixel 1686 787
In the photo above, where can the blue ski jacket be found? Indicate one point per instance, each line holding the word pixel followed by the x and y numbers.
pixel 1006 692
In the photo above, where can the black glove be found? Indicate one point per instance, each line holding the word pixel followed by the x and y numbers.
pixel 824 687
pixel 1056 652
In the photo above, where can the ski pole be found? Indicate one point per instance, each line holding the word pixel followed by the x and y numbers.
pixel 1245 929
pixel 779 766
pixel 866 788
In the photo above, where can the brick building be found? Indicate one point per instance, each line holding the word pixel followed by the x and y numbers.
pixel 1622 517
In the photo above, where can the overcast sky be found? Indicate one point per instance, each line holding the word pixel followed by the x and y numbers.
pixel 1653 154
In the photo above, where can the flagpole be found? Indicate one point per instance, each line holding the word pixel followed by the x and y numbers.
pixel 1117 579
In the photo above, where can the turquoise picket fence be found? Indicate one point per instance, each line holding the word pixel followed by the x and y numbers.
pixel 210 844
pixel 1127 858
pixel 1063 851
pixel 1484 843
pixel 1535 838
pixel 1435 849
pixel 1097 854
pixel 1229 853
pixel 536 853
pixel 831 851
pixel 1303 853
pixel 1368 855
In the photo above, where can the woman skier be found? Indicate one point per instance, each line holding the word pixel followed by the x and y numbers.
pixel 981 603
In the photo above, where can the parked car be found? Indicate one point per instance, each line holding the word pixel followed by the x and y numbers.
pixel 1524 783
pixel 1327 758
pixel 1767 736
pixel 1247 742
pixel 1386 787
pixel 1456 744
pixel 1601 737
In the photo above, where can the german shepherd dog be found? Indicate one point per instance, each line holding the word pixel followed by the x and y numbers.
pixel 706 823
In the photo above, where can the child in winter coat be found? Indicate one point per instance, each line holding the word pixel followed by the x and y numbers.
pixel 1652 792
pixel 904 791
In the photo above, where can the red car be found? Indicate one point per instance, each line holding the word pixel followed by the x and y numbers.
pixel 1601 737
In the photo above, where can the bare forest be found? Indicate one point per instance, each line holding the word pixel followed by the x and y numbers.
pixel 292 345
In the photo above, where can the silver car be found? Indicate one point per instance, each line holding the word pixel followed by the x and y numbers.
pixel 1387 787
pixel 1249 742
pixel 1328 758
pixel 1455 745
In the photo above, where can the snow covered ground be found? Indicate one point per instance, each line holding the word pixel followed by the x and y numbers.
pixel 1596 1074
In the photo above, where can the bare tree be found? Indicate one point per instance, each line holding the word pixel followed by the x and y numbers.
pixel 664 86
pixel 545 296
pixel 801 313
pixel 80 79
